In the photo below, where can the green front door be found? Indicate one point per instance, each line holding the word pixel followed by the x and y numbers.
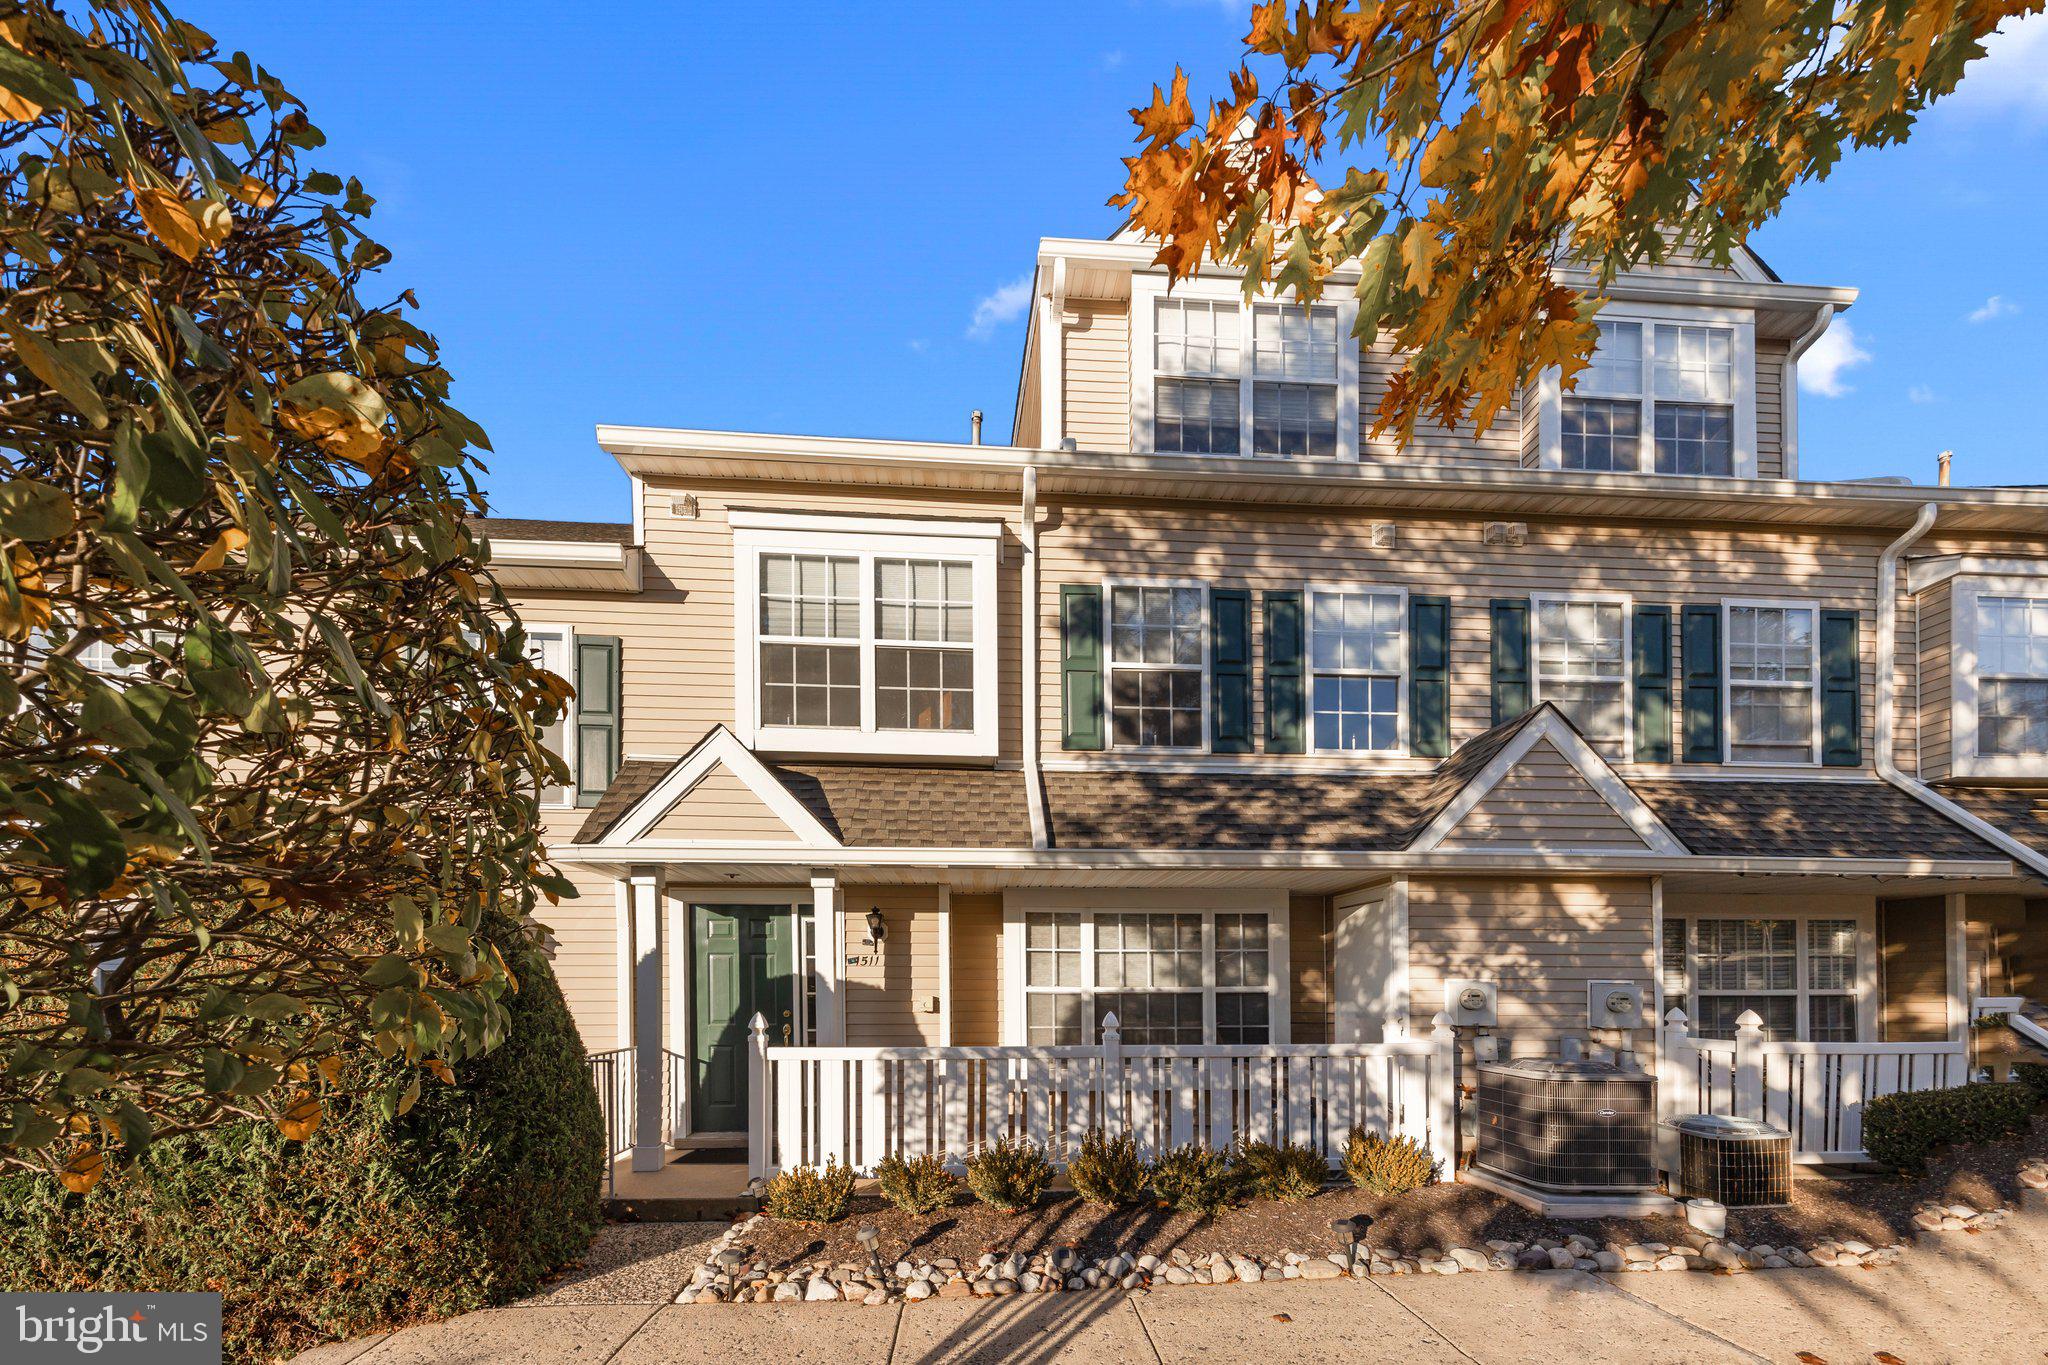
pixel 744 965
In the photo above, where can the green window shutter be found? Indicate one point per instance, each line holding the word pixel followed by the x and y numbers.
pixel 1651 667
pixel 597 715
pixel 1841 690
pixel 1230 671
pixel 1702 663
pixel 1081 722
pixel 1286 729
pixel 1511 695
pixel 1429 677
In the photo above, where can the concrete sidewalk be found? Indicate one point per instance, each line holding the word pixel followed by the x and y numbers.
pixel 1957 1298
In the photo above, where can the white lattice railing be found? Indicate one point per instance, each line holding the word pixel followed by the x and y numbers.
pixel 1815 1091
pixel 856 1105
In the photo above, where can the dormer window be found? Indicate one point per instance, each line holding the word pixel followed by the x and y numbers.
pixel 1999 719
pixel 1213 375
pixel 1668 391
pixel 863 635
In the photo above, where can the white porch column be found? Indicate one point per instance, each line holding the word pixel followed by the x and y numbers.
pixel 829 938
pixel 649 1151
pixel 1958 943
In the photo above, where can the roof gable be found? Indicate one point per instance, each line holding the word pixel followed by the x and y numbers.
pixel 1544 787
pixel 724 809
pixel 718 794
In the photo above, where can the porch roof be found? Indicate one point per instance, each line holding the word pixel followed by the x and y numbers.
pixel 2021 812
pixel 875 806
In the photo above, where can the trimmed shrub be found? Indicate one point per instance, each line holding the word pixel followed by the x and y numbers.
pixel 1108 1170
pixel 471 1199
pixel 919 1185
pixel 1387 1165
pixel 1289 1172
pixel 809 1194
pixel 2034 1076
pixel 1010 1174
pixel 1901 1131
pixel 1197 1179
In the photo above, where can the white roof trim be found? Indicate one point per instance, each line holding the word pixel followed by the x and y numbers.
pixel 1549 724
pixel 1922 574
pixel 720 748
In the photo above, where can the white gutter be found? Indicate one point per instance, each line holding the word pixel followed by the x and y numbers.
pixel 1034 781
pixel 1887 703
pixel 1788 386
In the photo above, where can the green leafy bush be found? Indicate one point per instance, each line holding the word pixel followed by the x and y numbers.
pixel 1197 1179
pixel 1289 1172
pixel 809 1194
pixel 2034 1076
pixel 1108 1170
pixel 919 1185
pixel 470 1199
pixel 1901 1131
pixel 1387 1165
pixel 1010 1174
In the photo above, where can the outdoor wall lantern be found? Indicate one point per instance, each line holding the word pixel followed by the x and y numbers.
pixel 878 929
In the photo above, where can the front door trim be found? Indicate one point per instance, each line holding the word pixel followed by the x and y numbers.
pixel 681 963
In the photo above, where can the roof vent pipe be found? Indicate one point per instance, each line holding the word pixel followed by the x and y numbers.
pixel 976 420
pixel 1946 461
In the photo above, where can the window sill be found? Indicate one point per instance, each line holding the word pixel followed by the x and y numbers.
pixel 802 742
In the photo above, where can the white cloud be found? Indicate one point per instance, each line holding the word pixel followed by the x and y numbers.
pixel 1006 304
pixel 1997 306
pixel 1820 369
pixel 1110 61
pixel 1919 393
pixel 918 345
pixel 2012 75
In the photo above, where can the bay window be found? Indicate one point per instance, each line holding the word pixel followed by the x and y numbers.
pixel 1801 975
pixel 1773 683
pixel 1581 666
pixel 1170 975
pixel 1158 660
pixel 1667 391
pixel 1215 375
pixel 865 635
pixel 2012 676
pixel 1358 660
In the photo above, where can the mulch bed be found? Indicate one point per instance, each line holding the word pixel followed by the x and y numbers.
pixel 1873 1209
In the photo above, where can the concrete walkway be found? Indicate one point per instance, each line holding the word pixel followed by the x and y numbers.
pixel 1959 1298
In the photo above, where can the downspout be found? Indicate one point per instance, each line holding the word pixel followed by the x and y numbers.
pixel 1034 781
pixel 1788 386
pixel 1887 702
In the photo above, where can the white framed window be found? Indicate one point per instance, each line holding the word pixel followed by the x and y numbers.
pixel 553 647
pixel 1807 974
pixel 1176 968
pixel 1582 653
pixel 1157 657
pixel 1214 375
pixel 865 635
pixel 1773 681
pixel 2000 683
pixel 1358 669
pixel 1669 390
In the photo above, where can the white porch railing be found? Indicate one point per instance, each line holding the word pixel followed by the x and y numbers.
pixel 1815 1091
pixel 856 1105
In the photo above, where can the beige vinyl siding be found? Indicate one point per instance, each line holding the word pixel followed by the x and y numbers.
pixel 977 970
pixel 886 991
pixel 1531 404
pixel 1028 420
pixel 1770 408
pixel 1098 362
pixel 582 940
pixel 1543 802
pixel 1310 998
pixel 1936 700
pixel 1913 959
pixel 677 634
pixel 1263 549
pixel 1500 446
pixel 1542 941
pixel 721 807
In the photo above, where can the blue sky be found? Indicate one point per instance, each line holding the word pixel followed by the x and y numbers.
pixel 816 217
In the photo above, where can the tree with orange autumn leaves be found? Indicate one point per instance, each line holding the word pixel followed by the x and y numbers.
pixel 1517 155
pixel 269 735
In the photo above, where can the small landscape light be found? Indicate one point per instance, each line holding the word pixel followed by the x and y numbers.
pixel 869 1238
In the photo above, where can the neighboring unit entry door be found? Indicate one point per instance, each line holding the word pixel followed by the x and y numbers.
pixel 743 962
